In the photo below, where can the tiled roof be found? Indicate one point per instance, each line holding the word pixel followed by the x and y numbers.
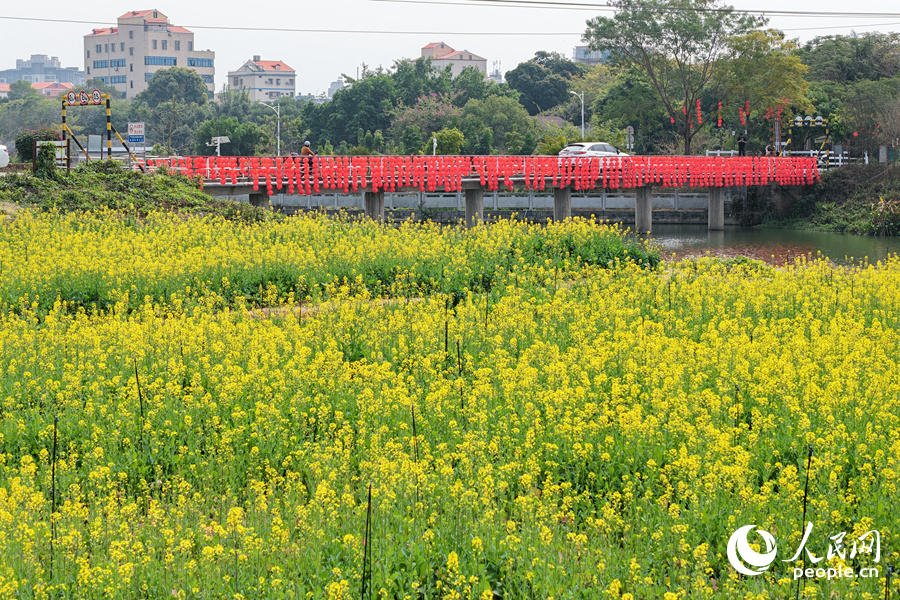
pixel 42 85
pixel 273 65
pixel 135 13
pixel 105 31
pixel 435 45
pixel 4 87
pixel 177 29
pixel 459 56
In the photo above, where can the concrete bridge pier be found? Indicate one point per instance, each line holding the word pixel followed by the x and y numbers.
pixel 374 205
pixel 261 200
pixel 562 203
pixel 474 207
pixel 716 209
pixel 643 209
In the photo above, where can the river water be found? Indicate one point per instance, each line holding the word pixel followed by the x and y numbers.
pixel 774 246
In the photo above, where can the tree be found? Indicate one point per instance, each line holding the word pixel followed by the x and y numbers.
pixel 414 79
pixel 172 107
pixel 176 83
pixel 245 137
pixel 22 90
pixel 558 64
pixel 539 88
pixel 449 141
pixel 850 58
pixel 431 112
pixel 764 70
pixel 501 116
pixel 676 45
pixel 469 85
pixel 367 104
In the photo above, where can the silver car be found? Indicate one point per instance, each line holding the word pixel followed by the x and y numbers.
pixel 590 149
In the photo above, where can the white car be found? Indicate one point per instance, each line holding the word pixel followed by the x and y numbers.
pixel 590 149
pixel 4 156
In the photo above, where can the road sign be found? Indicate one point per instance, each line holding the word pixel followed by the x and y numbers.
pixel 83 98
pixel 72 97
pixel 135 133
pixel 629 138
pixel 96 97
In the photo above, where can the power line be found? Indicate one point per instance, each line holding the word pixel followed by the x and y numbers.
pixel 548 4
pixel 291 30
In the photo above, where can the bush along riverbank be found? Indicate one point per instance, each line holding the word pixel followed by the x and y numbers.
pixel 105 185
pixel 860 199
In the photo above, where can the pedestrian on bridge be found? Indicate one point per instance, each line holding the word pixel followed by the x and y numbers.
pixel 742 144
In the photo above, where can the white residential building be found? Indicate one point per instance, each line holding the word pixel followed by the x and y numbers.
pixel 144 42
pixel 442 55
pixel 264 80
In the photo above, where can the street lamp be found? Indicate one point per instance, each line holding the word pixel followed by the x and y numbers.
pixel 581 95
pixel 277 109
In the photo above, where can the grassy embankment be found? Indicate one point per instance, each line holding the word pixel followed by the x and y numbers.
pixel 860 199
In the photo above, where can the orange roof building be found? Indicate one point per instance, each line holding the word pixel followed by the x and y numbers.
pixel 442 55
pixel 142 43
pixel 264 80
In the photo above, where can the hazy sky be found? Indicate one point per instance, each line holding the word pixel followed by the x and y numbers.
pixel 320 58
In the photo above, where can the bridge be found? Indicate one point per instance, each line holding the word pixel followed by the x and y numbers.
pixel 261 177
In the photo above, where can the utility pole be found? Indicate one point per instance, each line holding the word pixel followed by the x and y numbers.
pixel 581 95
pixel 277 109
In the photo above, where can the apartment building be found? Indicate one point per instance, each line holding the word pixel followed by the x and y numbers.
pixel 144 42
pixel 442 55
pixel 41 67
pixel 264 80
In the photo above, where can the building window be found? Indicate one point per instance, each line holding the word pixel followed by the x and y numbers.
pixel 122 46
pixel 190 46
pixel 131 34
pixel 98 48
pixel 101 64
pixel 236 82
pixel 117 62
pixel 131 84
pixel 177 45
pixel 88 53
pixel 131 51
pixel 154 44
pixel 164 61
pixel 106 47
pixel 278 81
pixel 89 71
pixel 165 44
pixel 117 79
pixel 131 67
pixel 201 62
pixel 148 76
pixel 208 78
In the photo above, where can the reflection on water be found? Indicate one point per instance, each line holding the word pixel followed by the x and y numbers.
pixel 774 246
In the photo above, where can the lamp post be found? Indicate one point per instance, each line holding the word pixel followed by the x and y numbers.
pixel 277 109
pixel 581 95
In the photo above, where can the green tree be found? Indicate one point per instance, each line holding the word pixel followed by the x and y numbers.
pixel 850 58
pixel 469 85
pixel 449 141
pixel 431 112
pixel 22 90
pixel 539 87
pixel 245 137
pixel 172 106
pixel 676 45
pixel 503 117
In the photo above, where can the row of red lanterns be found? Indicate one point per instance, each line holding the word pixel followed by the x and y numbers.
pixel 446 173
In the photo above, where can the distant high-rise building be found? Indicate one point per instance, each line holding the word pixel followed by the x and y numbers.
pixel 41 67
pixel 335 87
pixel 264 80
pixel 126 57
pixel 586 56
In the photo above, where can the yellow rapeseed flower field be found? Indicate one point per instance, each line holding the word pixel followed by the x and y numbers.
pixel 538 413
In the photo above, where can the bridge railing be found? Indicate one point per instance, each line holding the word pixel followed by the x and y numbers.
pixel 304 175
